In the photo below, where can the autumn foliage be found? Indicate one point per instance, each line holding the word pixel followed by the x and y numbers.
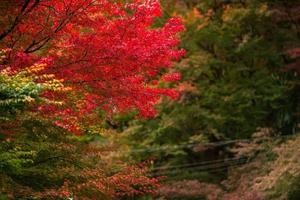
pixel 65 66
pixel 109 53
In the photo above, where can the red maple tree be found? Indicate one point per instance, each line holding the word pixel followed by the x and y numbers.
pixel 109 52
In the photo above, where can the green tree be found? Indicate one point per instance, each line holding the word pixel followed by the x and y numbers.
pixel 235 79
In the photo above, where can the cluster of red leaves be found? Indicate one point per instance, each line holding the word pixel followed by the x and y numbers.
pixel 108 52
pixel 94 184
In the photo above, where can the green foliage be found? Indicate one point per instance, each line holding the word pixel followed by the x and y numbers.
pixel 234 82
pixel 294 191
pixel 13 160
pixel 16 91
pixel 32 158
pixel 240 88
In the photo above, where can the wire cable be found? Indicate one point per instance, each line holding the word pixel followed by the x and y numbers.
pixel 204 163
pixel 200 168
pixel 191 145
